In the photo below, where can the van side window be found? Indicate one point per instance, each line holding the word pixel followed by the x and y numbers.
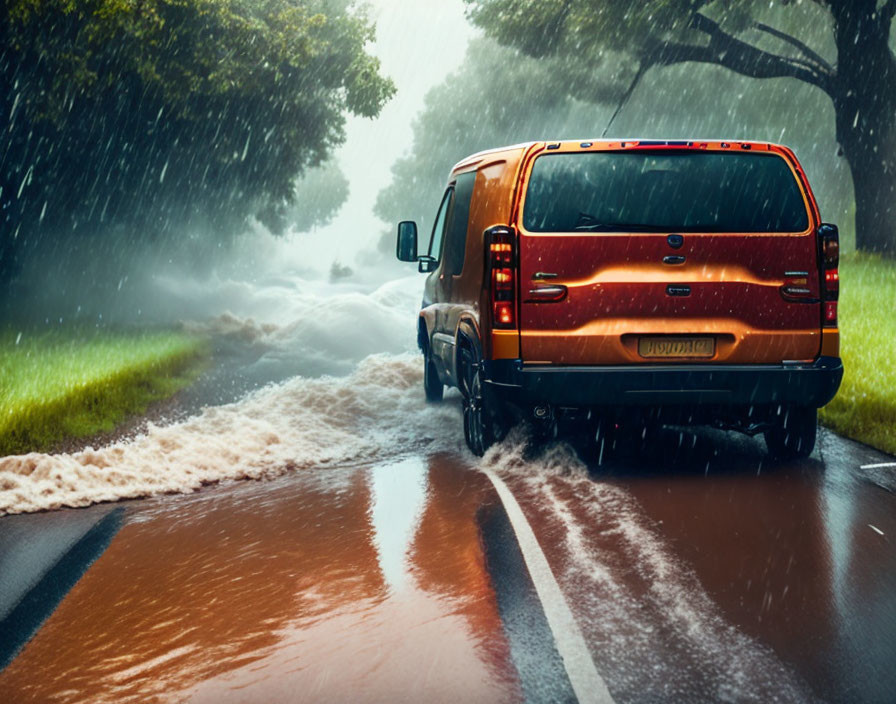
pixel 438 230
pixel 458 217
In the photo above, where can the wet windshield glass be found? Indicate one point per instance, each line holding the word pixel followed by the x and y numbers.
pixel 663 191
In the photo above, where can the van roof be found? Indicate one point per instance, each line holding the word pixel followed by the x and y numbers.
pixel 578 145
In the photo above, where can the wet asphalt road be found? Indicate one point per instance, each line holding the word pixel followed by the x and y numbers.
pixel 694 570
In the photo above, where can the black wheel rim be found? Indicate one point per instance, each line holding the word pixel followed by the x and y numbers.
pixel 474 422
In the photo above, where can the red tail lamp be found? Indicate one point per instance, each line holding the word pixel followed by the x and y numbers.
pixel 500 241
pixel 829 251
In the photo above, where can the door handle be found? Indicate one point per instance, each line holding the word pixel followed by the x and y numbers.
pixel 547 294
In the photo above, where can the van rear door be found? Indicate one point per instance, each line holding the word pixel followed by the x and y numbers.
pixel 650 255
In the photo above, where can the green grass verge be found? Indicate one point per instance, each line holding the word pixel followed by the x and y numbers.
pixel 72 384
pixel 865 406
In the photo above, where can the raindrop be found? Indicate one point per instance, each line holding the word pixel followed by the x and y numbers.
pixel 25 181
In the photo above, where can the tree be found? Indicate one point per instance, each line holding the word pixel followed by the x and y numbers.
pixel 317 197
pixel 151 116
pixel 840 47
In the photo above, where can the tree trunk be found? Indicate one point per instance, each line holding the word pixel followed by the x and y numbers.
pixel 864 95
pixel 874 183
pixel 866 130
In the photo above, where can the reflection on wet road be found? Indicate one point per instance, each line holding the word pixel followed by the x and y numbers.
pixel 695 571
pixel 344 582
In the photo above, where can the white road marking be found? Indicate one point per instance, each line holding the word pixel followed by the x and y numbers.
pixel 875 466
pixel 586 682
pixel 876 529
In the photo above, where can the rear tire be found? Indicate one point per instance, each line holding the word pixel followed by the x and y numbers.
pixel 792 435
pixel 480 429
pixel 432 385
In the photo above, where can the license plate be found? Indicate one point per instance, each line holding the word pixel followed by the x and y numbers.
pixel 676 346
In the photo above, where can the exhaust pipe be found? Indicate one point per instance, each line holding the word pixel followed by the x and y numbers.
pixel 543 412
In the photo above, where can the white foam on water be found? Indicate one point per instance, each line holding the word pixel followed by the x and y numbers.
pixel 667 636
pixel 377 411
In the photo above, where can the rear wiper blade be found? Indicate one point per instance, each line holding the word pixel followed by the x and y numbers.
pixel 619 227
pixel 586 222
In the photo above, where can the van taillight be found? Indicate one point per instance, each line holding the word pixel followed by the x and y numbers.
pixel 829 251
pixel 502 275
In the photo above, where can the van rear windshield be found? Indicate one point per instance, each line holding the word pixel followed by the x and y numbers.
pixel 646 191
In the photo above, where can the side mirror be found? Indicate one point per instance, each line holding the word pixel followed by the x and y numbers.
pixel 427 264
pixel 406 247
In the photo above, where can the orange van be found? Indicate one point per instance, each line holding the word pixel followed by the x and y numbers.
pixel 686 281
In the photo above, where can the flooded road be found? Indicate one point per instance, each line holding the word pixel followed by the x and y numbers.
pixel 692 571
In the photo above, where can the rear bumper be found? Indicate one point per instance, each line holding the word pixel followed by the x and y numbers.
pixel 804 384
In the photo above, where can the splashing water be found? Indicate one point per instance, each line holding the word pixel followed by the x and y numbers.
pixel 631 589
pixel 375 412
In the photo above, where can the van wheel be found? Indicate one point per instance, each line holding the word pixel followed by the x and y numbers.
pixel 479 426
pixel 792 435
pixel 432 385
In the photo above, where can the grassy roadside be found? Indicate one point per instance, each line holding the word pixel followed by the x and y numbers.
pixel 865 407
pixel 70 383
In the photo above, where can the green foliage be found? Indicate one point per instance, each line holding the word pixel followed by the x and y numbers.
pixel 317 197
pixel 75 383
pixel 865 407
pixel 590 28
pixel 156 113
pixel 641 35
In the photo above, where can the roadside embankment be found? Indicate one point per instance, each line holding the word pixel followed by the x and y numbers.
pixel 865 406
pixel 73 383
